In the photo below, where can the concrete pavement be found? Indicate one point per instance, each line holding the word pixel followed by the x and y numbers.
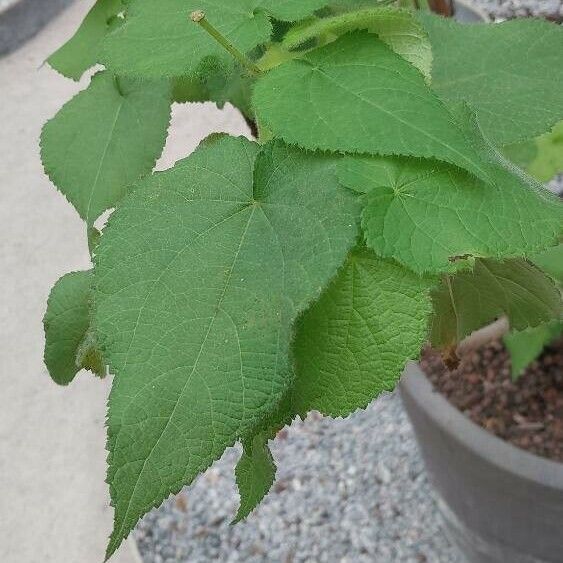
pixel 54 505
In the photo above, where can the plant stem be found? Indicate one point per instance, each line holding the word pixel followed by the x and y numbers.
pixel 199 17
pixel 416 5
pixel 442 7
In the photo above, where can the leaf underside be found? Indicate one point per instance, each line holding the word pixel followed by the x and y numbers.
pixel 104 139
pixel 470 300
pixel 199 276
pixel 356 95
pixel 399 29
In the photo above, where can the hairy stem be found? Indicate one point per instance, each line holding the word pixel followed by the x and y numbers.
pixel 199 17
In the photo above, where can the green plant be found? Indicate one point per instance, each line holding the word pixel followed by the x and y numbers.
pixel 255 281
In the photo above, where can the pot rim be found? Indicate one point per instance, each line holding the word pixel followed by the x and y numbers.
pixel 473 437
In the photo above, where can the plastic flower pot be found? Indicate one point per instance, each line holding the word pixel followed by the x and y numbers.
pixel 499 504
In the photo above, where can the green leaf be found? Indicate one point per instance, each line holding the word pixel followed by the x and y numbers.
pixel 397 28
pixel 69 346
pixel 81 51
pixel 159 39
pixel 199 277
pixel 255 473
pixel 104 139
pixel 219 85
pixel 353 343
pixel 510 73
pixel 356 95
pixel 549 159
pixel 428 215
pixel 470 300
pixel 522 154
pixel 289 10
pixel 551 261
pixel 525 346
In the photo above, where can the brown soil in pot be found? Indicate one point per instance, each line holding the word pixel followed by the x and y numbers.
pixel 528 413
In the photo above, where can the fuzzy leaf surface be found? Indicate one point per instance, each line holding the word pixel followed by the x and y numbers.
pixel 356 95
pixel 159 38
pixel 469 300
pixel 199 276
pixel 399 29
pixel 255 473
pixel 510 73
pixel 353 343
pixel 104 139
pixel 424 213
pixel 81 51
pixel 67 325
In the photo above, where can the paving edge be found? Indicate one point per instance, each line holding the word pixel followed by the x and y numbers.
pixel 20 20
pixel 134 550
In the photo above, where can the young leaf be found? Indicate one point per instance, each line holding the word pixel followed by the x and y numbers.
pixel 159 39
pixel 104 139
pixel 424 213
pixel 81 51
pixel 199 276
pixel 68 344
pixel 356 95
pixel 525 346
pixel 469 300
pixel 255 473
pixel 354 342
pixel 399 29
pixel 510 73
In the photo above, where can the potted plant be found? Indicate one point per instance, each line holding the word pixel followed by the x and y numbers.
pixel 255 281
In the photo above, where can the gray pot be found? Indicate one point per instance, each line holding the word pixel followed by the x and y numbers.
pixel 500 504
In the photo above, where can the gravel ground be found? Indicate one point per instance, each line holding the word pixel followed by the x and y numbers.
pixel 349 490
pixel 506 9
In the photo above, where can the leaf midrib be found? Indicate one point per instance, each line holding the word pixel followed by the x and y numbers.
pixel 188 379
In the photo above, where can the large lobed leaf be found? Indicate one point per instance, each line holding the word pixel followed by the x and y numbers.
pixel 350 345
pixel 199 277
pixel 356 95
pixel 159 39
pixel 104 139
pixel 510 73
pixel 428 215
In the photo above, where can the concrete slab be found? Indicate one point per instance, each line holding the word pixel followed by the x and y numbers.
pixel 21 19
pixel 54 505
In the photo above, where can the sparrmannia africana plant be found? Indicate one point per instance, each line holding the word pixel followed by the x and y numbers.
pixel 255 281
